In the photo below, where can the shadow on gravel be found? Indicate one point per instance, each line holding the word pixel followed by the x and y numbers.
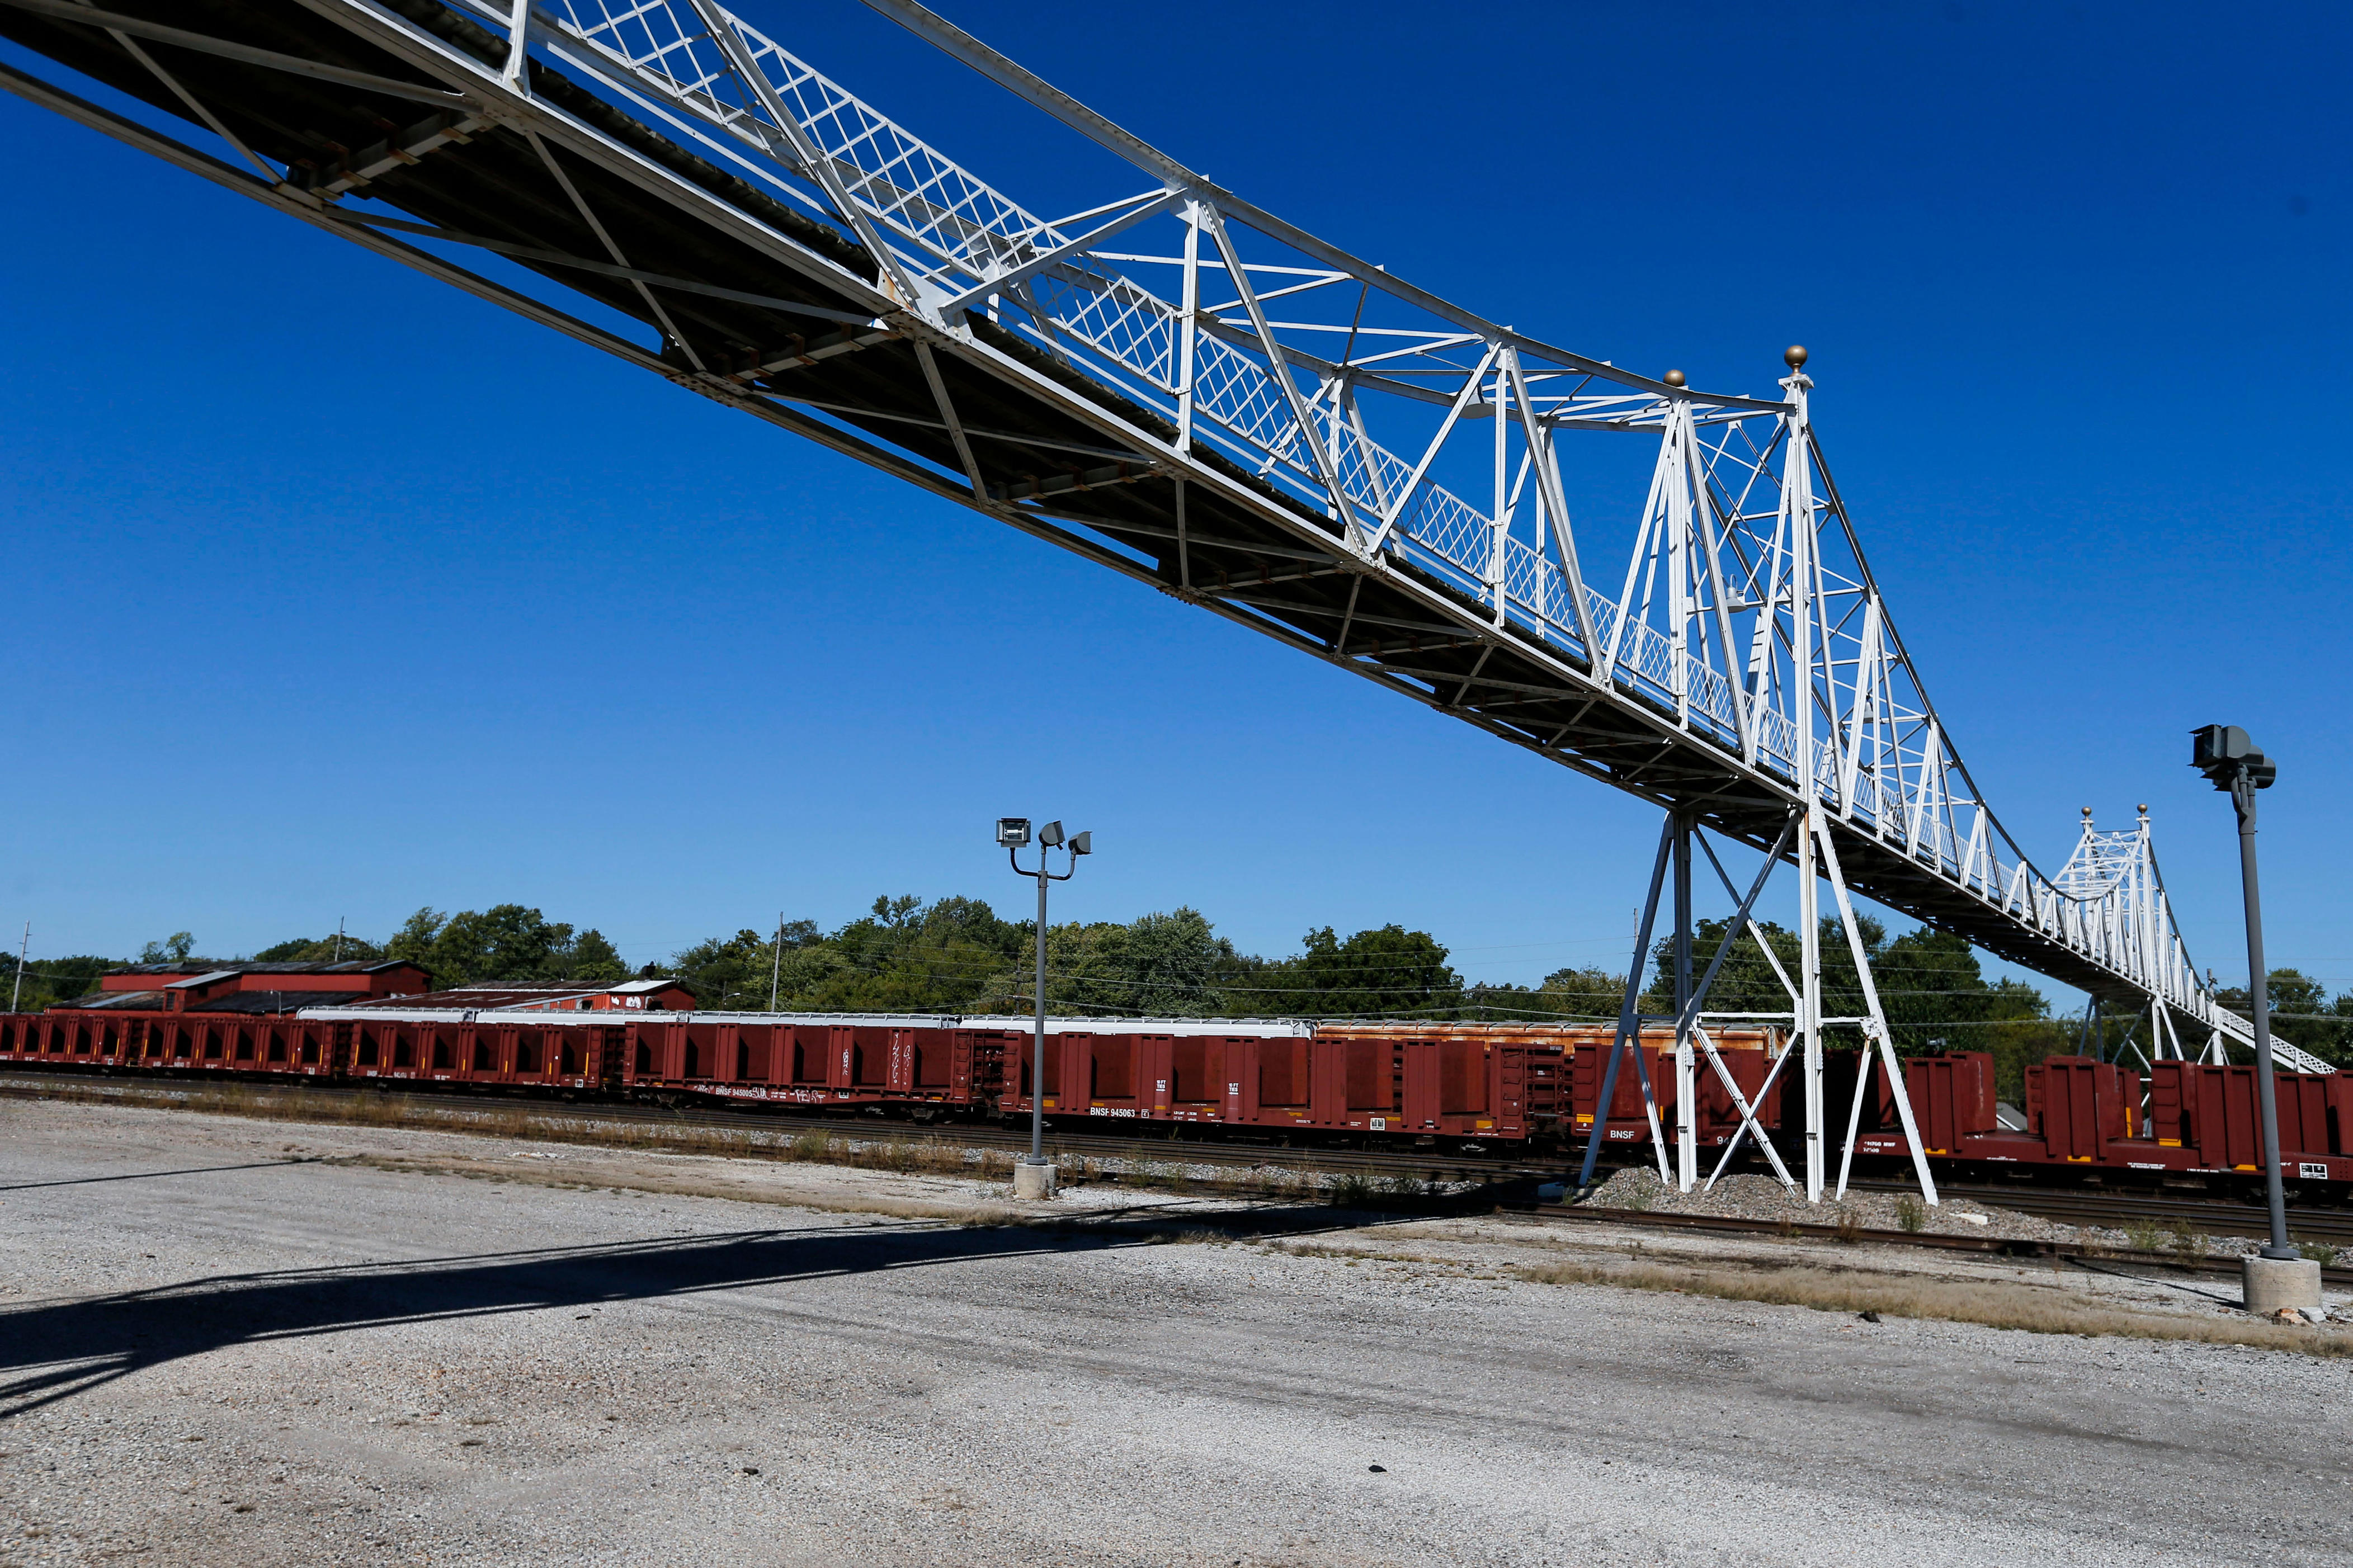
pixel 60 1348
pixel 151 1175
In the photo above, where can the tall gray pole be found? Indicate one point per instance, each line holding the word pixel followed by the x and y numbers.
pixel 776 962
pixel 2243 796
pixel 17 994
pixel 1037 1045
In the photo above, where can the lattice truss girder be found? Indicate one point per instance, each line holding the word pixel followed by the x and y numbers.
pixel 1169 382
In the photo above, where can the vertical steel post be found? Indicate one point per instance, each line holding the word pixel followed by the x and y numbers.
pixel 1877 1036
pixel 1628 1020
pixel 1037 1045
pixel 1686 1074
pixel 1810 998
pixel 1499 525
pixel 2243 796
pixel 517 71
pixel 1188 315
pixel 1798 501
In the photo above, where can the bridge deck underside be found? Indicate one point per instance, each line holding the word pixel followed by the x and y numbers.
pixel 1053 448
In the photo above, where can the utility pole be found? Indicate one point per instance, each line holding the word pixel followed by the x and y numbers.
pixel 776 962
pixel 338 938
pixel 17 994
pixel 1034 1177
pixel 2279 1276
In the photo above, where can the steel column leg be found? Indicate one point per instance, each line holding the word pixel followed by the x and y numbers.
pixel 1886 1044
pixel 1809 996
pixel 1686 1077
pixel 1628 1019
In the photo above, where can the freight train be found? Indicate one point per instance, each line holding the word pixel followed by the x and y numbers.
pixel 1529 1090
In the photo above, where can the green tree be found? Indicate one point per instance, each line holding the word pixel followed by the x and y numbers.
pixel 1568 995
pixel 1937 998
pixel 1584 992
pixel 1747 982
pixel 505 942
pixel 509 945
pixel 2333 1040
pixel 52 979
pixel 587 960
pixel 1387 971
pixel 903 956
pixel 324 950
pixel 413 943
pixel 726 972
pixel 2303 1013
pixel 908 957
pixel 1160 965
pixel 173 949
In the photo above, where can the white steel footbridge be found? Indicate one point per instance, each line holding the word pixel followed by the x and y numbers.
pixel 1180 387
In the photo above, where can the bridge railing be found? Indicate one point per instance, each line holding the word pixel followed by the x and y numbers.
pixel 955 222
pixel 958 231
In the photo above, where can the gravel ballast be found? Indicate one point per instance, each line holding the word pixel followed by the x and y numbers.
pixel 1762 1198
pixel 242 1343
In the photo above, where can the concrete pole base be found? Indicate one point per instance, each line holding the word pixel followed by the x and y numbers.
pixel 2272 1283
pixel 1038 1179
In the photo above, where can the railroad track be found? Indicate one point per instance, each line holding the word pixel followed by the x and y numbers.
pixel 2118 1211
pixel 1132 1148
pixel 2122 1211
pixel 2107 1259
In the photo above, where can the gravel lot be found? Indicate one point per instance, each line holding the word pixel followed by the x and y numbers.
pixel 227 1341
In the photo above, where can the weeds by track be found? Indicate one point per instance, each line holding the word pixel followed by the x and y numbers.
pixel 2130 1211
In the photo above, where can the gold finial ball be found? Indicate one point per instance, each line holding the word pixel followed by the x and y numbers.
pixel 1794 356
pixel 2143 808
pixel 2087 811
pixel 1674 378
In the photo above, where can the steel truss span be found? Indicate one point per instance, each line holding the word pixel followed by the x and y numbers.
pixel 1169 382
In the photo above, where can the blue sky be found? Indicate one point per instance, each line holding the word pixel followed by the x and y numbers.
pixel 337 594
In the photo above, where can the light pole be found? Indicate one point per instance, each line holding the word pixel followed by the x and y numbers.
pixel 1034 1177
pixel 2275 1276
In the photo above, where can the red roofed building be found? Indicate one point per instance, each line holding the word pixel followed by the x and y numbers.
pixel 200 988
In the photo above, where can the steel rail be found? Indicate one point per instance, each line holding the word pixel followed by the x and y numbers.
pixel 2088 1255
pixel 2121 1211
pixel 849 1121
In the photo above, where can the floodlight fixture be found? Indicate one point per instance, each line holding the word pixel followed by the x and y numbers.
pixel 1051 835
pixel 1013 832
pixel 2224 752
pixel 1082 844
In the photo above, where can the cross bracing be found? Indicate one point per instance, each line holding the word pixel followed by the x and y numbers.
pixel 1168 381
